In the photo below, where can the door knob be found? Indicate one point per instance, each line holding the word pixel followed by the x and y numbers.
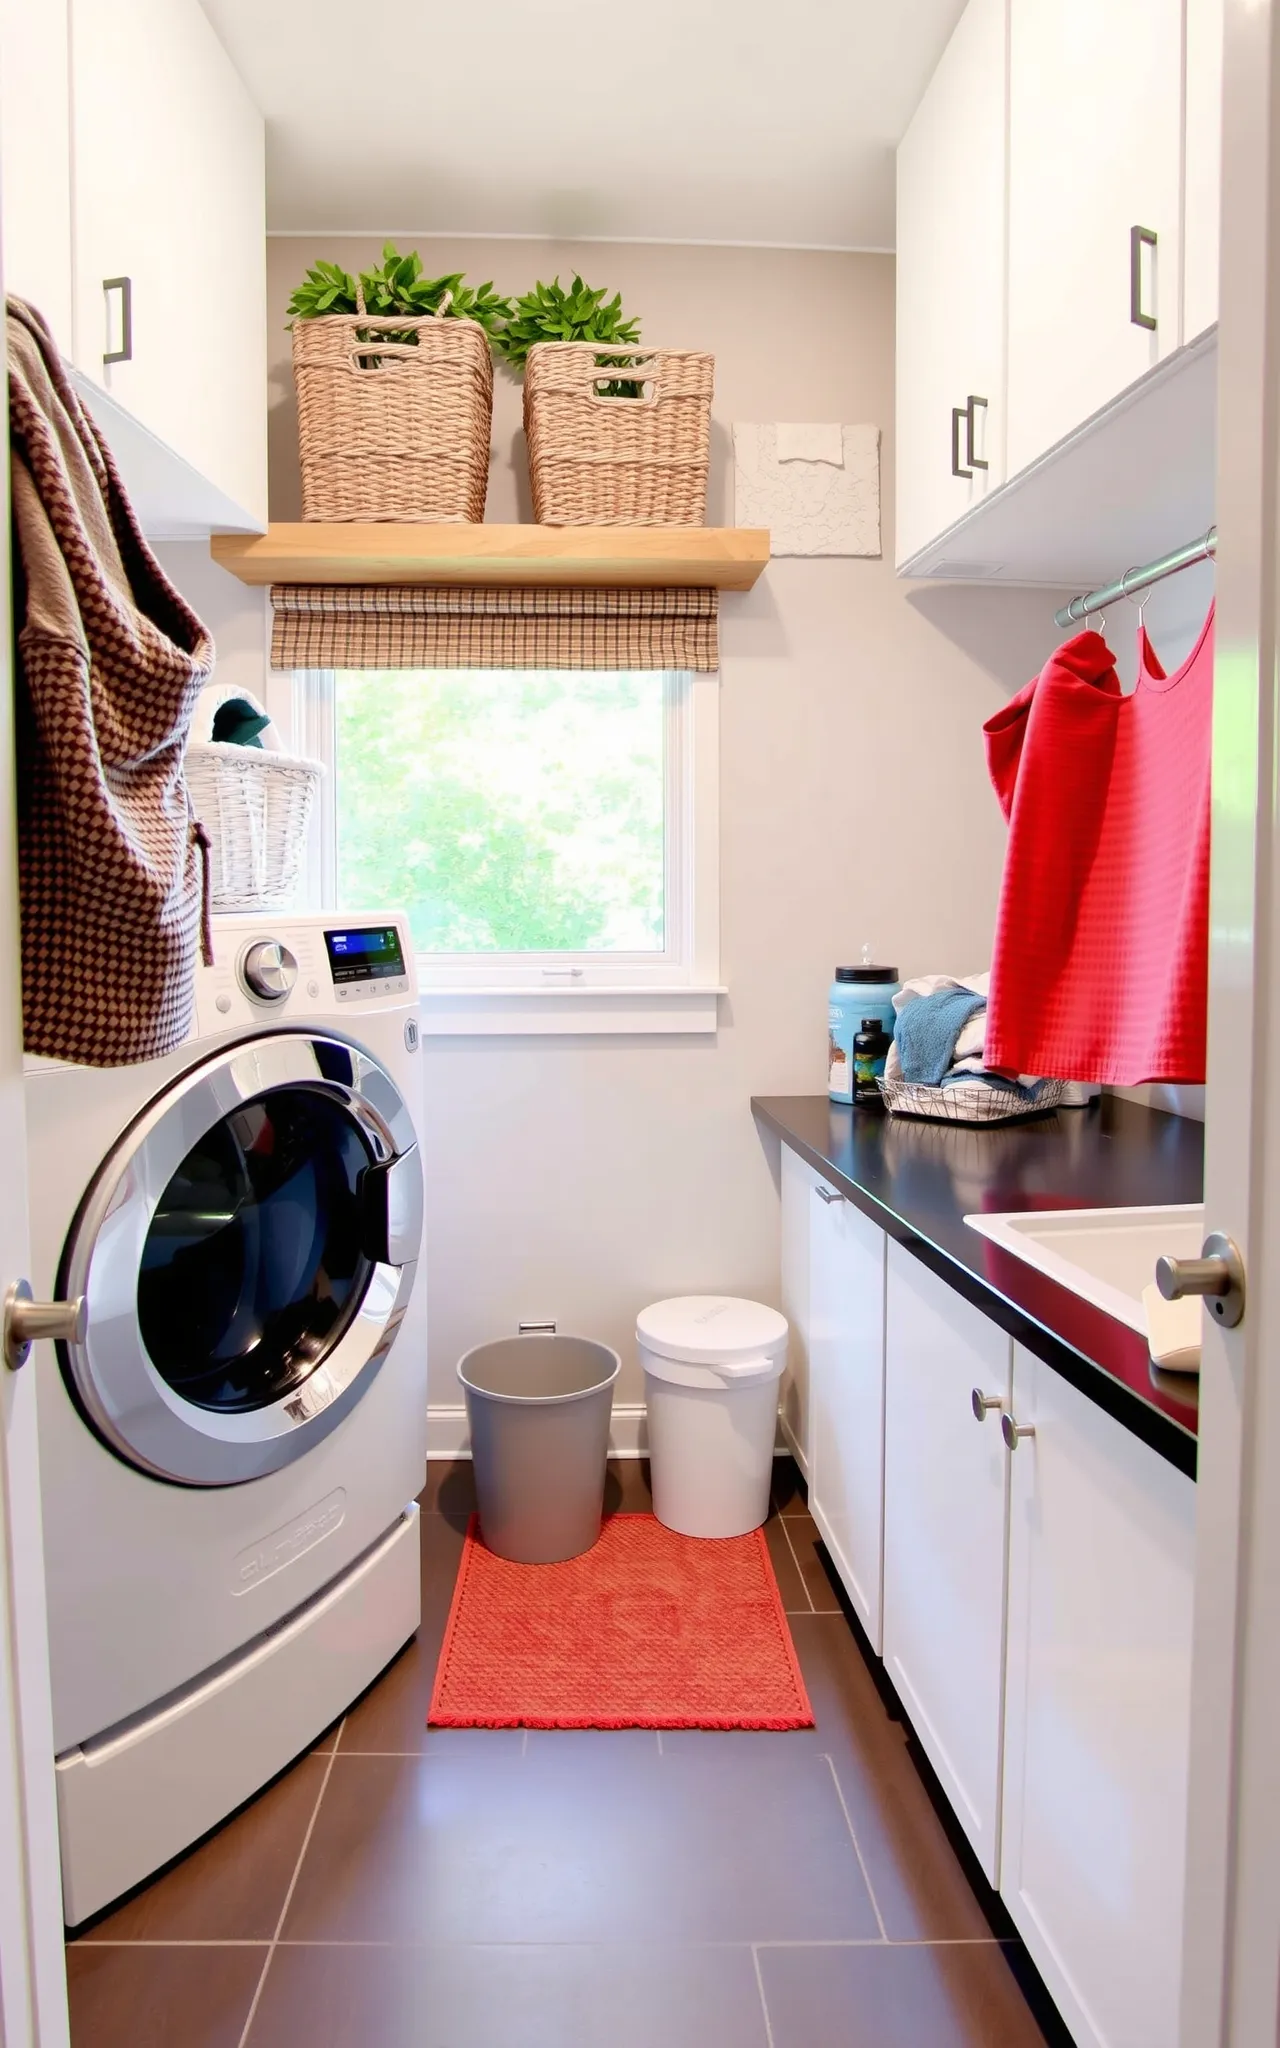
pixel 981 1402
pixel 1218 1274
pixel 1013 1432
pixel 26 1320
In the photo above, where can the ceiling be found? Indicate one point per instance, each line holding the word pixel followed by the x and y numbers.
pixel 665 120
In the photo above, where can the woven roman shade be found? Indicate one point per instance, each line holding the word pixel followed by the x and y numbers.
pixel 420 626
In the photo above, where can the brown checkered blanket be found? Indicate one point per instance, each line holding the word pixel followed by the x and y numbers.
pixel 110 661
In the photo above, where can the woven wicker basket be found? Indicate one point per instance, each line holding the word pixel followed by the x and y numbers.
pixel 389 429
pixel 255 804
pixel 601 461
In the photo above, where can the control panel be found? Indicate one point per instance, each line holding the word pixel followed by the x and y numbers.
pixel 294 969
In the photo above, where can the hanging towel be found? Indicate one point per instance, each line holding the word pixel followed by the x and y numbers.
pixel 110 661
pixel 1100 970
pixel 927 1030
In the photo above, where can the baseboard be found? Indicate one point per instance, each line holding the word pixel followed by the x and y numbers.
pixel 447 1435
pixel 791 1446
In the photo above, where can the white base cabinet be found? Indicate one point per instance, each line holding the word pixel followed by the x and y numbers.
pixel 846 1395
pixel 945 1521
pixel 798 1182
pixel 1097 1743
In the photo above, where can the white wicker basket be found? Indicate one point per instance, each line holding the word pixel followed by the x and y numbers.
pixel 255 803
pixel 969 1102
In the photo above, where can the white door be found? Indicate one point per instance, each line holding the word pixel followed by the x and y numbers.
pixel 846 1394
pixel 945 1527
pixel 1095 131
pixel 798 1183
pixel 1231 1940
pixel 1101 1562
pixel 949 407
pixel 33 1996
pixel 169 196
pixel 1202 184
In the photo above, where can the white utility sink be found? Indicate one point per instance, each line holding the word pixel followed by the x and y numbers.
pixel 1107 1256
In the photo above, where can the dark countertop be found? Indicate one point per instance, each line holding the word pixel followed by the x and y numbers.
pixel 920 1180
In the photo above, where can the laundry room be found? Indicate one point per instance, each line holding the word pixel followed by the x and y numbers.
pixel 635 1061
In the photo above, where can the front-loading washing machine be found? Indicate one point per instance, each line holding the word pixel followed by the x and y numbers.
pixel 230 1453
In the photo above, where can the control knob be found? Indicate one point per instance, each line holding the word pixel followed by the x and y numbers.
pixel 268 970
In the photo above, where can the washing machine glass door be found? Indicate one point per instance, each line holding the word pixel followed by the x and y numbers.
pixel 246 1254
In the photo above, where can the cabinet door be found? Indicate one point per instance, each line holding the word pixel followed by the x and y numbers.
pixel 950 271
pixel 945 1493
pixel 35 159
pixel 1203 166
pixel 1095 132
pixel 798 1182
pixel 846 1395
pixel 169 192
pixel 1101 1557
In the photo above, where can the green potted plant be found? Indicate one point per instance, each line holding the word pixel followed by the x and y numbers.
pixel 395 391
pixel 607 450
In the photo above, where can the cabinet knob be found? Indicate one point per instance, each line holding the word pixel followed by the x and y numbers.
pixel 1013 1432
pixel 982 1402
pixel 827 1195
pixel 1218 1274
pixel 25 1320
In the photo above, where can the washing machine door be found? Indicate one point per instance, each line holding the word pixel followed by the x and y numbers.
pixel 246 1254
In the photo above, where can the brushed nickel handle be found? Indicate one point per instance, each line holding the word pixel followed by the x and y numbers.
pixel 827 1195
pixel 25 1321
pixel 123 285
pixel 981 1402
pixel 1013 1432
pixel 974 461
pixel 1218 1275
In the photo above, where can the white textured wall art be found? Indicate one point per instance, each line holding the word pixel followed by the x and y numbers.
pixel 817 488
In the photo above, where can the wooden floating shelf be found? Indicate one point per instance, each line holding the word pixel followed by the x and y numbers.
pixel 638 557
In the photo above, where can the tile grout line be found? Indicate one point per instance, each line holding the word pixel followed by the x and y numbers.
pixel 764 2003
pixel 857 1848
pixel 293 1881
pixel 804 1583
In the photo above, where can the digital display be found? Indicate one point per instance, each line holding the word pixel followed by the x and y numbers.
pixel 366 954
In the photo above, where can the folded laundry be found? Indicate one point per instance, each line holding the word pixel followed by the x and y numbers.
pixel 928 1028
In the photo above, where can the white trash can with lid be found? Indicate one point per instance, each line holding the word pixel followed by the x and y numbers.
pixel 711 1371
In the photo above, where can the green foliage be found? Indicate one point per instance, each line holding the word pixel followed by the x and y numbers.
pixel 397 285
pixel 507 813
pixel 549 313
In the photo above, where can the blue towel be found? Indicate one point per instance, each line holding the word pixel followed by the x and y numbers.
pixel 927 1030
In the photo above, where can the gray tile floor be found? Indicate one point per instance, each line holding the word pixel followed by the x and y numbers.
pixel 468 1888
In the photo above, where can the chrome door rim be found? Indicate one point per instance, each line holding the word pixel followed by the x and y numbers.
pixel 126 1399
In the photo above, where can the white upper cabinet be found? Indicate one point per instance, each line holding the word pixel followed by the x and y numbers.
pixel 35 160
pixel 1095 170
pixel 169 201
pixel 846 1394
pixel 1203 166
pixel 950 288
pixel 945 1494
pixel 1097 1744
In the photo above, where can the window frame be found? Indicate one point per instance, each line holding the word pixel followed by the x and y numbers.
pixel 488 994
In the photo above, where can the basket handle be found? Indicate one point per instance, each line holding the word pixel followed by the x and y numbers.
pixel 650 379
pixel 356 357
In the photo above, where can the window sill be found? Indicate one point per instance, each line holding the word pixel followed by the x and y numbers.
pixel 546 1012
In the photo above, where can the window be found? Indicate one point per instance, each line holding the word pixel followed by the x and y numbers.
pixel 551 835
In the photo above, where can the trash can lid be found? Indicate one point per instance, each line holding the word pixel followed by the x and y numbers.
pixel 711 1329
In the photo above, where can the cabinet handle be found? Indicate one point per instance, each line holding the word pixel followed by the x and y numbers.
pixel 982 1402
pixel 1013 1432
pixel 974 461
pixel 959 413
pixel 1139 239
pixel 123 285
pixel 827 1195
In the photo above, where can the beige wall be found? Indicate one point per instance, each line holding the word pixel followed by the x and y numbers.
pixel 582 1178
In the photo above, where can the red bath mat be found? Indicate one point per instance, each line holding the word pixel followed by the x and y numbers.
pixel 646 1630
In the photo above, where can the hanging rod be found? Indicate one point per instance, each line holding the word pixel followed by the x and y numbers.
pixel 1079 608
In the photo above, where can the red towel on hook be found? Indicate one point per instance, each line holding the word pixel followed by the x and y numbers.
pixel 1100 969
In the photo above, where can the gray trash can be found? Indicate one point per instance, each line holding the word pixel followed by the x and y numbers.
pixel 538 1409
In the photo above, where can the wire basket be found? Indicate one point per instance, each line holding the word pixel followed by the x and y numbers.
pixel 601 460
pixel 969 1102
pixel 391 429
pixel 255 804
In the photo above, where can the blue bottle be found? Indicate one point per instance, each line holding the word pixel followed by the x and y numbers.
pixel 856 994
